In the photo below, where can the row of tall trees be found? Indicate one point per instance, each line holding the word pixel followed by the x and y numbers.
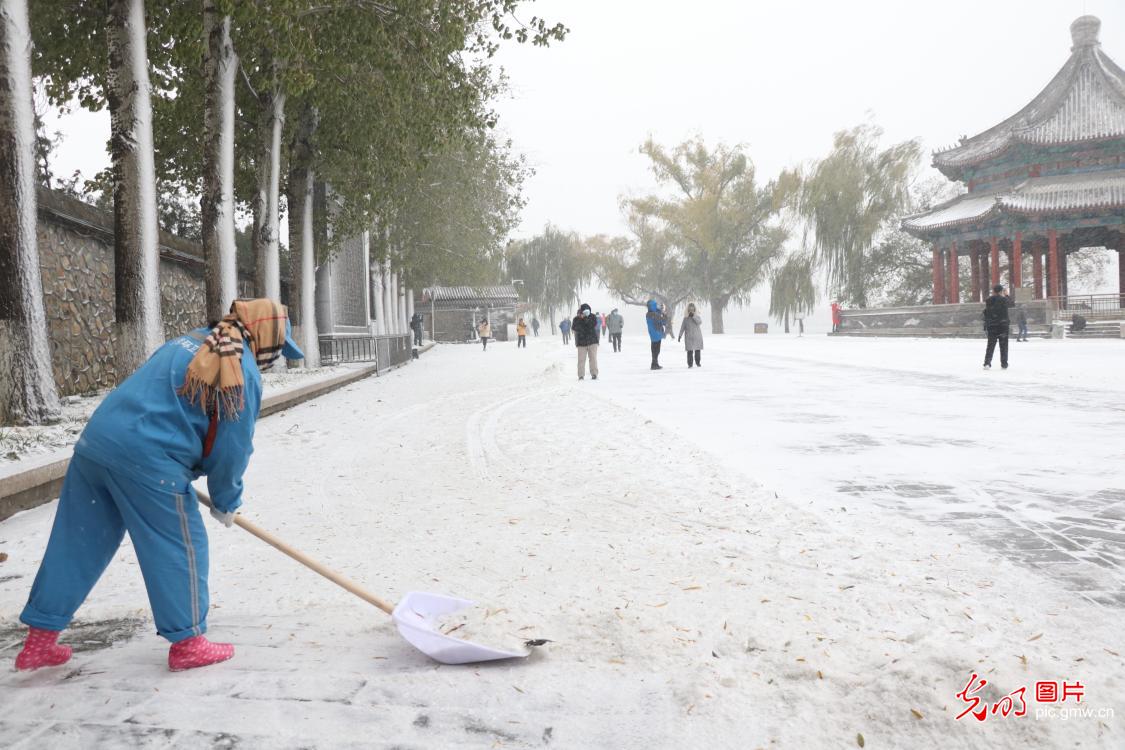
pixel 257 106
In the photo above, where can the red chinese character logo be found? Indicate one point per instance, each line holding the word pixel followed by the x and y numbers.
pixel 1046 692
pixel 1006 704
pixel 1072 691
pixel 970 697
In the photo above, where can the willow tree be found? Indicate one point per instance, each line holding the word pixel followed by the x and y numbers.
pixel 849 198
pixel 554 268
pixel 726 224
pixel 27 386
pixel 646 265
pixel 792 288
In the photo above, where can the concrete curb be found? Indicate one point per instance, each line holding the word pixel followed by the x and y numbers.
pixel 41 482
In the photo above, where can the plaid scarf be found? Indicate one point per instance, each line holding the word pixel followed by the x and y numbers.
pixel 214 375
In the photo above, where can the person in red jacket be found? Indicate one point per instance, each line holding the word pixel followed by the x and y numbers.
pixel 835 316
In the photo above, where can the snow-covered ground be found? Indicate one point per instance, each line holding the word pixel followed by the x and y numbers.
pixel 766 552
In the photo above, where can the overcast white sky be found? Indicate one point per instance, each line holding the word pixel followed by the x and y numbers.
pixel 778 77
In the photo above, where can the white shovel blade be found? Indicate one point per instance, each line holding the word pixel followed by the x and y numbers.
pixel 416 617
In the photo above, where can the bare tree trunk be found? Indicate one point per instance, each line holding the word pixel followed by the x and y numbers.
pixel 718 304
pixel 787 321
pixel 267 273
pixel 220 65
pixel 136 251
pixel 302 250
pixel 380 297
pixel 27 385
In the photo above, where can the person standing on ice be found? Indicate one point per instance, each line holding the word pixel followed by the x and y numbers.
pixel 564 329
pixel 691 331
pixel 585 327
pixel 615 324
pixel 997 325
pixel 188 411
pixel 657 324
pixel 521 332
pixel 484 330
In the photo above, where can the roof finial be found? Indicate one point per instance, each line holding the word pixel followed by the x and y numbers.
pixel 1084 32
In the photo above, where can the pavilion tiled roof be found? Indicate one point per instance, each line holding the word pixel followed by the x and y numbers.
pixel 1034 196
pixel 1084 102
pixel 499 294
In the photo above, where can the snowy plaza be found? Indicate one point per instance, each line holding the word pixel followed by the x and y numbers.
pixel 805 541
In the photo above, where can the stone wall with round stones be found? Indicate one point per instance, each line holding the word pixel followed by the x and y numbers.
pixel 76 258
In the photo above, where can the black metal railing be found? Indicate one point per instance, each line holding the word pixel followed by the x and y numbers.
pixel 334 351
pixel 386 351
pixel 1091 306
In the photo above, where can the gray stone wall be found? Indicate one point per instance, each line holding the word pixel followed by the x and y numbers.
pixel 934 320
pixel 76 256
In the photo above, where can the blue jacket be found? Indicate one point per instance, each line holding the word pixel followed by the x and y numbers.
pixel 564 326
pixel 145 430
pixel 655 320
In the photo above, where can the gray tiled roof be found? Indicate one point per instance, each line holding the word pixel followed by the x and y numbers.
pixel 1085 101
pixel 502 293
pixel 1037 195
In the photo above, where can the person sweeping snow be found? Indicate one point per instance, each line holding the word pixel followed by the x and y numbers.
pixel 188 411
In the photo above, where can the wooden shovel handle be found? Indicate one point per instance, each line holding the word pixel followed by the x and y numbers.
pixel 344 583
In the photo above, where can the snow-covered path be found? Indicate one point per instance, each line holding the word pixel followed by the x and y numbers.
pixel 689 607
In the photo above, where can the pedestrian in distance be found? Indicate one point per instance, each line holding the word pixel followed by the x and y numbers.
pixel 837 317
pixel 657 330
pixel 188 411
pixel 602 322
pixel 1021 321
pixel 484 330
pixel 416 326
pixel 535 325
pixel 997 325
pixel 691 331
pixel 615 324
pixel 521 332
pixel 564 329
pixel 585 326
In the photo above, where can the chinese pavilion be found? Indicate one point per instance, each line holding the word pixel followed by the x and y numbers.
pixel 1046 182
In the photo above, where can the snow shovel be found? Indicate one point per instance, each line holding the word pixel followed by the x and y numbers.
pixel 415 616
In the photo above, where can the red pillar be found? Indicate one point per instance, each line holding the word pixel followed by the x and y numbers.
pixel 974 267
pixel 1016 275
pixel 1037 268
pixel 939 277
pixel 1052 263
pixel 954 287
pixel 994 261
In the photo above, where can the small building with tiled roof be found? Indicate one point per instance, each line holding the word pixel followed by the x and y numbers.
pixel 451 313
pixel 1045 182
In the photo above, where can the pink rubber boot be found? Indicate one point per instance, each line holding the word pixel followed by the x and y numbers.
pixel 197 652
pixel 40 650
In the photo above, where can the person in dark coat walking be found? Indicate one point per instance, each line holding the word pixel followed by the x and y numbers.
pixel 534 325
pixel 997 325
pixel 585 327
pixel 657 330
pixel 1021 321
pixel 615 324
pixel 564 329
pixel 416 326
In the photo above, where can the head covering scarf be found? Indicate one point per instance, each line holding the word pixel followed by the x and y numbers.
pixel 214 375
